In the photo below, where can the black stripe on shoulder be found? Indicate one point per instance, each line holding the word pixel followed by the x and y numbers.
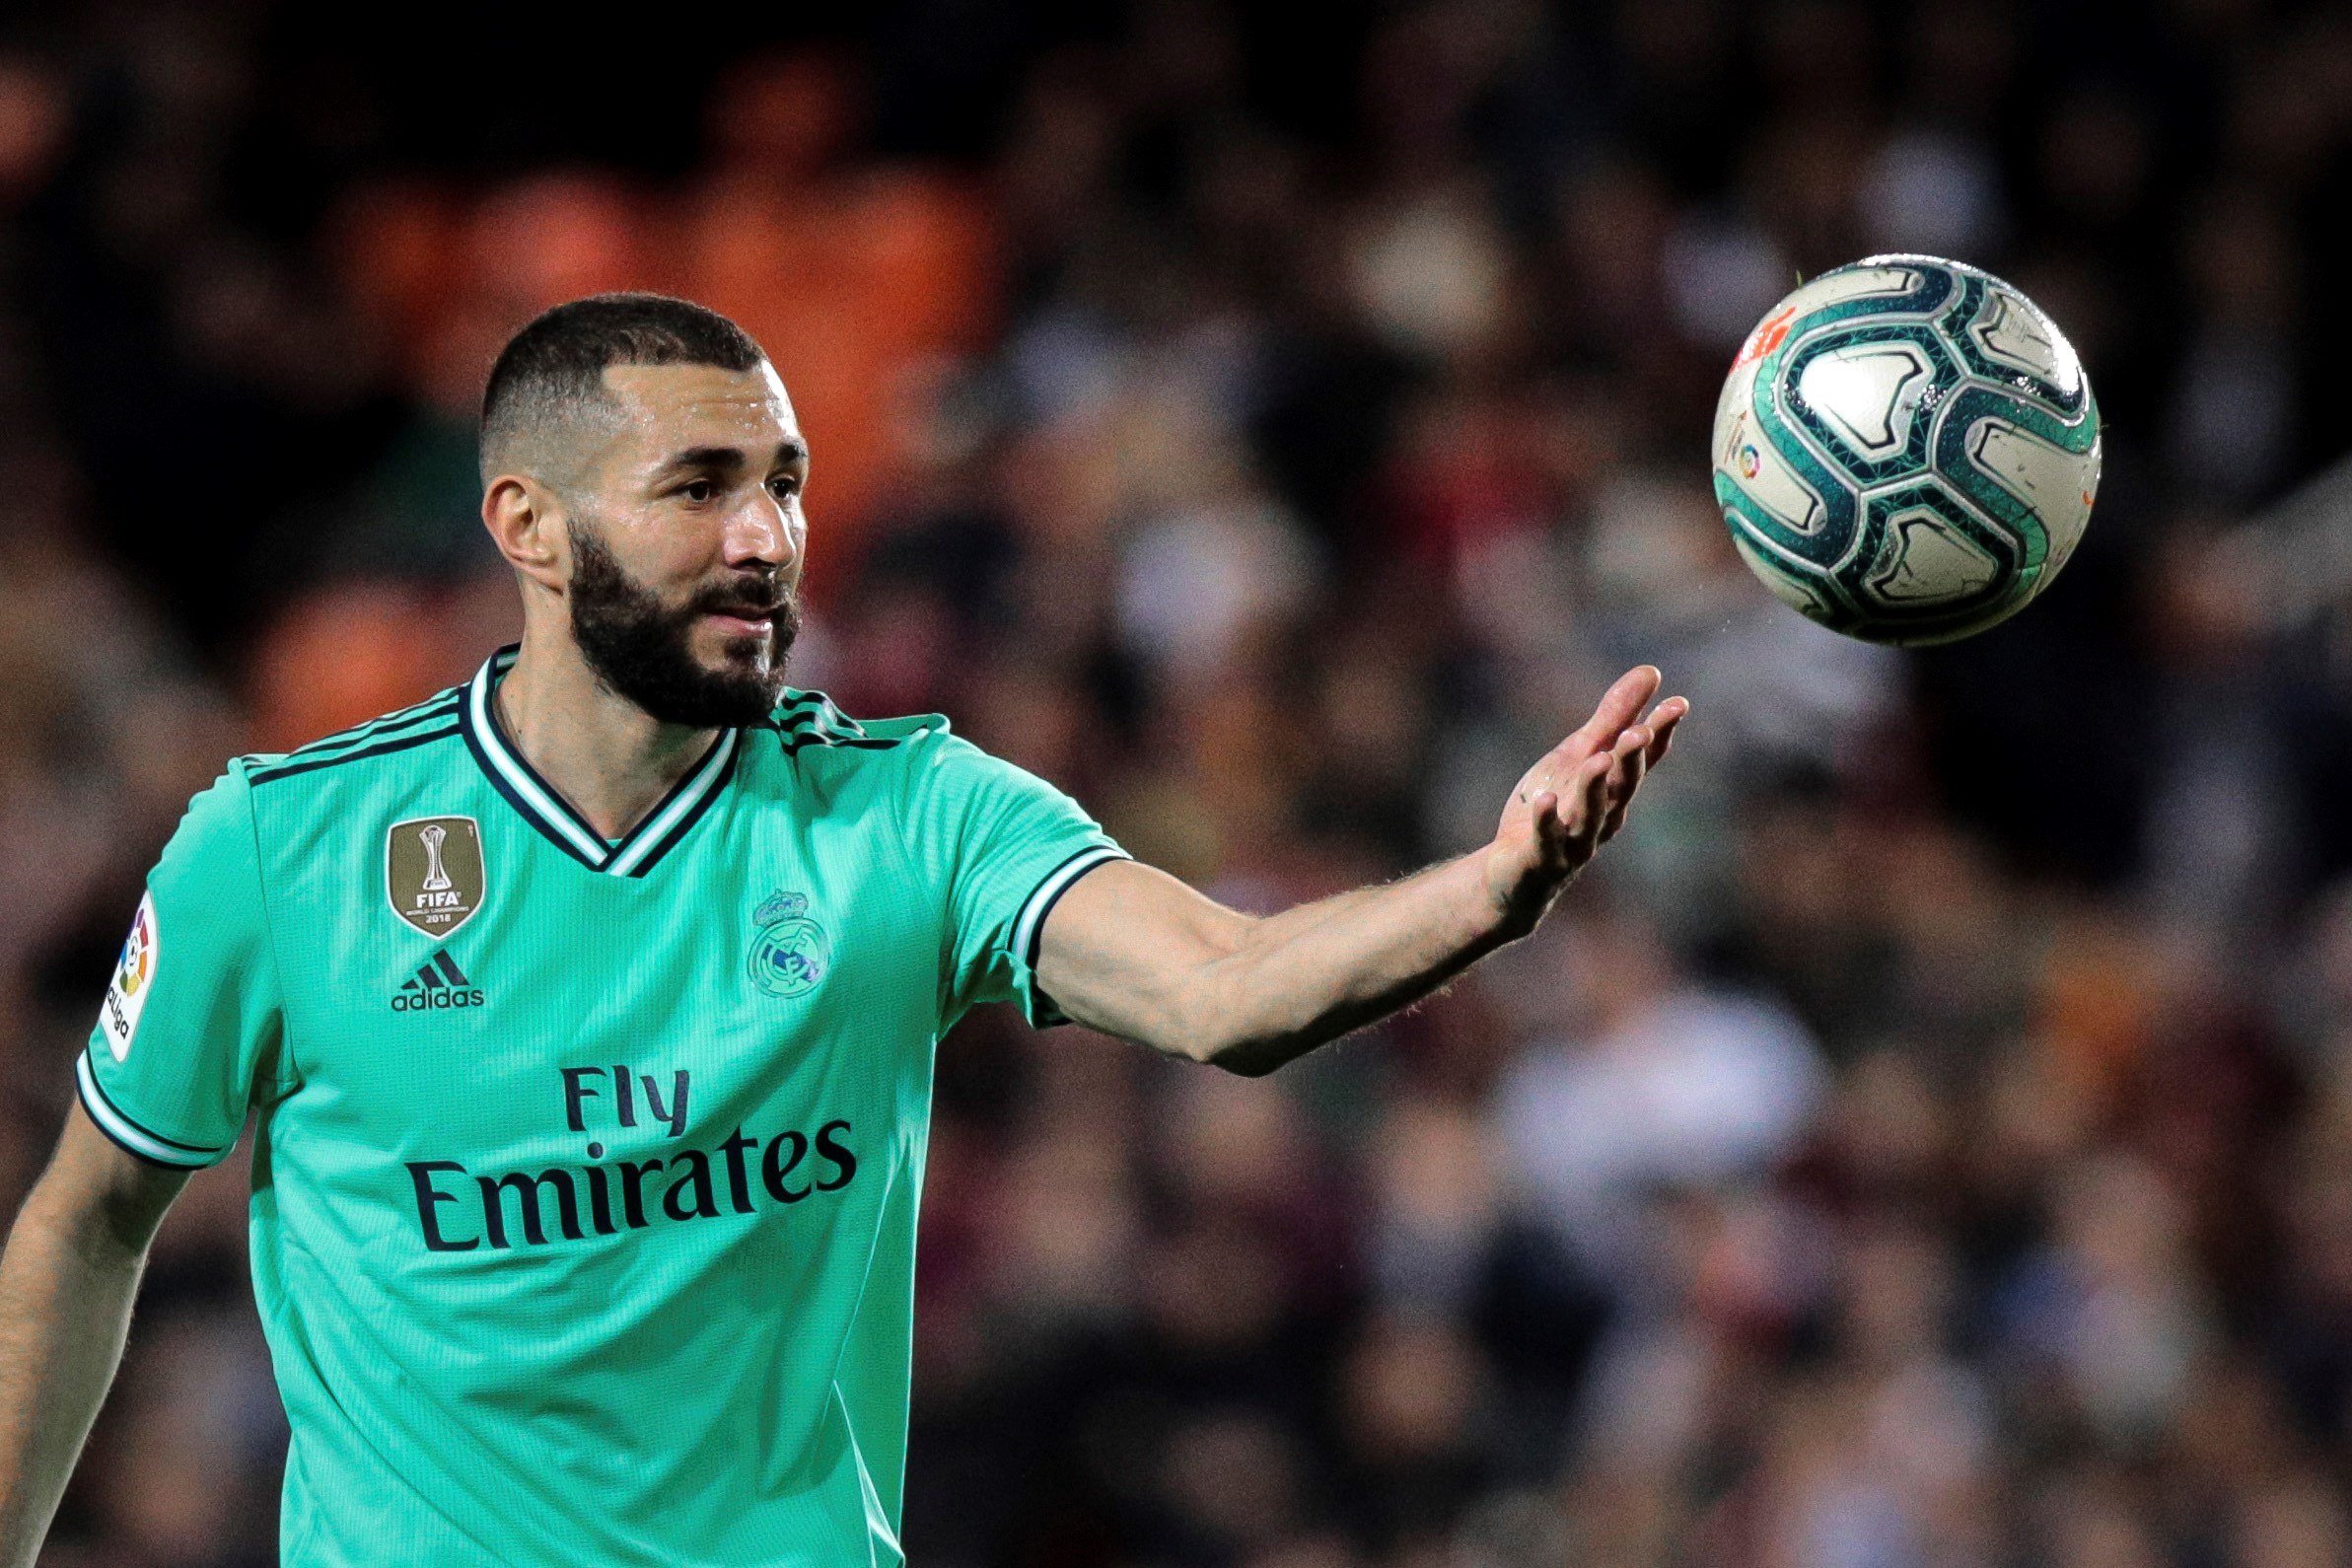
pixel 405 742
pixel 818 709
pixel 439 707
pixel 862 743
pixel 784 721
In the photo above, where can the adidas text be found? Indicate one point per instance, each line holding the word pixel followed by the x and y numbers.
pixel 438 984
pixel 424 1001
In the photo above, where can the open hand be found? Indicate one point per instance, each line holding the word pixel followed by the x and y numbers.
pixel 1574 799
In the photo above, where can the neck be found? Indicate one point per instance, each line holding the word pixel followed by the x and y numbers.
pixel 610 760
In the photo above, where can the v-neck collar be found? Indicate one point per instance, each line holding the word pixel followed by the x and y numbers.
pixel 540 804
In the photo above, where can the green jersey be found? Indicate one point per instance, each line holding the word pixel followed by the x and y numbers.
pixel 585 1172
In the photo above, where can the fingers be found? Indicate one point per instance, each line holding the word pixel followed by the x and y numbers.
pixel 1629 762
pixel 1580 794
pixel 1586 804
pixel 1637 750
pixel 1551 832
pixel 1663 720
pixel 1620 705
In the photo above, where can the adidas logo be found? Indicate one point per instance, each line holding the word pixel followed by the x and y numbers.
pixel 437 983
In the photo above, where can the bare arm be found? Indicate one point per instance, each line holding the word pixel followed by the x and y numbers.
pixel 1135 953
pixel 66 1281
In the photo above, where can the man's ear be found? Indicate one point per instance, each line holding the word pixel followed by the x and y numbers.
pixel 527 523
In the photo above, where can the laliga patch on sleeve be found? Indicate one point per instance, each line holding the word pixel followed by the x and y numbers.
pixel 134 978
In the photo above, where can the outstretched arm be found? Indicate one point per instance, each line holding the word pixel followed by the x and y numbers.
pixel 66 1281
pixel 1135 953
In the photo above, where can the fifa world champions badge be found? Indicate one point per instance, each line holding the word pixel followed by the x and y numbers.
pixel 434 872
pixel 790 952
pixel 135 979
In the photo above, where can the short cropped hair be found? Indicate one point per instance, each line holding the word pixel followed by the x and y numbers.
pixel 551 371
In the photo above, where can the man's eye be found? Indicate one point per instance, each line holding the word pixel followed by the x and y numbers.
pixel 697 489
pixel 785 487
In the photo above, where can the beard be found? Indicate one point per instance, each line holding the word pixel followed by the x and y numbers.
pixel 643 649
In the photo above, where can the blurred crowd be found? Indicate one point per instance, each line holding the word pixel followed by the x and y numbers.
pixel 1923 1141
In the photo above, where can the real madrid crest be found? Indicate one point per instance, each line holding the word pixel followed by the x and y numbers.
pixel 433 872
pixel 789 950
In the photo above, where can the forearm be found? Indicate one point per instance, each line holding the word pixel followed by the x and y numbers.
pixel 66 1284
pixel 1135 953
pixel 1292 981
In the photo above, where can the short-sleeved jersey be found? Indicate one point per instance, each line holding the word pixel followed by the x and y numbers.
pixel 584 1173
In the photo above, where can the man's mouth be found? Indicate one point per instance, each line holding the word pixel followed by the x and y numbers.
pixel 744 622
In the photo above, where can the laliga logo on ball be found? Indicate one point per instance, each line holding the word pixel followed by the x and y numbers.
pixel 1906 450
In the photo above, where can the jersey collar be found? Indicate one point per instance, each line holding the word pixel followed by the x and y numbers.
pixel 539 805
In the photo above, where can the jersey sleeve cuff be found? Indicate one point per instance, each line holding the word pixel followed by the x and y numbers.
pixel 1028 931
pixel 150 1146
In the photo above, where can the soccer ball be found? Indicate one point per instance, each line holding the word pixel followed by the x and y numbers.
pixel 1906 450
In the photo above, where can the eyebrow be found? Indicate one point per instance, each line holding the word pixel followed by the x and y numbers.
pixel 725 460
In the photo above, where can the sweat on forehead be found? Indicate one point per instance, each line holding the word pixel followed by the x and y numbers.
pixel 549 379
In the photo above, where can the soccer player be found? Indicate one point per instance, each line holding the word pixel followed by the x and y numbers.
pixel 586 1013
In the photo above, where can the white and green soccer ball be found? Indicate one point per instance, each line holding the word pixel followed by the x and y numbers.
pixel 1906 450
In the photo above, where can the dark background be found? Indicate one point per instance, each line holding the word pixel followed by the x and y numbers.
pixel 1925 1139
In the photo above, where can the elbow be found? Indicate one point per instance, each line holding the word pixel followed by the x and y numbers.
pixel 1214 1037
pixel 1243 1057
pixel 1213 1041
pixel 1249 1067
pixel 1215 1015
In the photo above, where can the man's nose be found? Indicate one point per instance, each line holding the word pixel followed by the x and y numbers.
pixel 762 533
